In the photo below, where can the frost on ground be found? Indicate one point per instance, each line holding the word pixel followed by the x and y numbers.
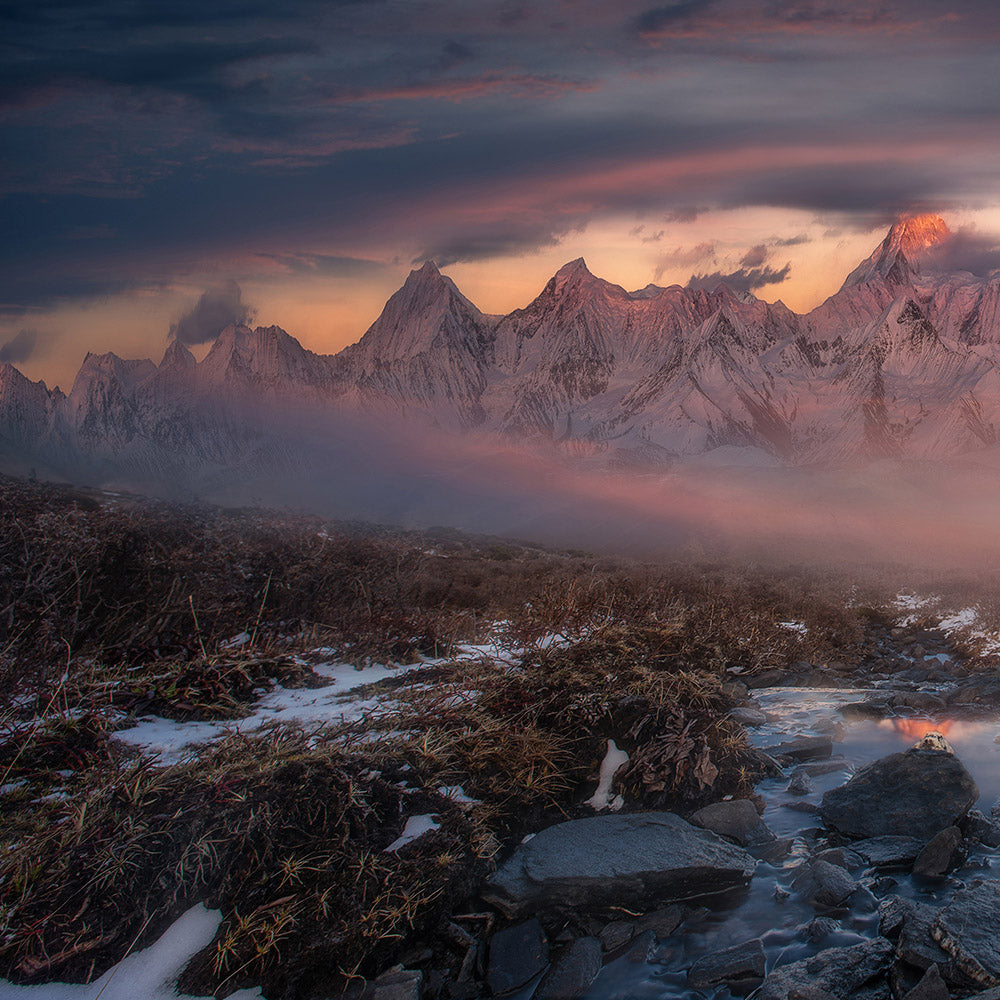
pixel 150 974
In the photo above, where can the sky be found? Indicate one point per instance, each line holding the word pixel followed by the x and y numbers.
pixel 168 165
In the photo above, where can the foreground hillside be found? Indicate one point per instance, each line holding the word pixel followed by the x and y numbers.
pixel 332 733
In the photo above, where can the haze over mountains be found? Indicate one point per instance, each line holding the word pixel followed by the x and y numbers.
pixel 903 361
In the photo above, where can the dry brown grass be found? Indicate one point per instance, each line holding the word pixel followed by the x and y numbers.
pixel 110 611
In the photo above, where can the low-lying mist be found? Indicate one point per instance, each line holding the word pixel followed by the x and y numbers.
pixel 929 514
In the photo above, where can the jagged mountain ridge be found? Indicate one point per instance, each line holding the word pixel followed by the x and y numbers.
pixel 901 361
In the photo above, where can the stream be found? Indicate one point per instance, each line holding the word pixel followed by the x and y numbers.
pixel 789 927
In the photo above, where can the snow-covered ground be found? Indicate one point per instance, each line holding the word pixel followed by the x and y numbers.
pixel 962 623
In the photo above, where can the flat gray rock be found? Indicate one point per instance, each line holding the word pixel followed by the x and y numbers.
pixel 737 820
pixel 625 860
pixel 840 972
pixel 901 793
pixel 517 954
pixel 887 851
pixel 968 928
pixel 930 987
pixel 572 972
pixel 740 962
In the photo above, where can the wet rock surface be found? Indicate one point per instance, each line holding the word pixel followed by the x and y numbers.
pixel 736 820
pixel 517 954
pixel 740 962
pixel 572 972
pixel 914 790
pixel 968 928
pixel 617 860
pixel 840 972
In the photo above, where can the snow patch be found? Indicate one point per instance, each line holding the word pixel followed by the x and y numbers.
pixel 416 826
pixel 150 974
pixel 601 799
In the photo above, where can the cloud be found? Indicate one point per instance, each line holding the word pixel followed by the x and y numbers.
pixel 657 20
pixel 742 280
pixel 216 309
pixel 967 250
pixel 683 257
pixel 488 242
pixel 329 265
pixel 791 241
pixel 755 256
pixel 19 348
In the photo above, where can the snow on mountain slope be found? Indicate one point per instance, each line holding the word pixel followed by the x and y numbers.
pixel 901 361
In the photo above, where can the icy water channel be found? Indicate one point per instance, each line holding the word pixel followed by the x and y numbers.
pixel 769 908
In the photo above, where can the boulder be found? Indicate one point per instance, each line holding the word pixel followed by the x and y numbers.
pixel 914 790
pixel 517 954
pixel 662 922
pixel 740 962
pixel 940 853
pixel 572 972
pixel 824 884
pixel 840 972
pixel 616 935
pixel 968 928
pixel 403 984
pixel 737 820
pixel 617 860
pixel 912 922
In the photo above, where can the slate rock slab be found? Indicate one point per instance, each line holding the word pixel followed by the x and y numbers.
pixel 736 820
pixel 572 972
pixel 517 954
pixel 740 962
pixel 803 748
pixel 940 854
pixel 840 972
pixel 888 851
pixel 619 860
pixel 901 793
pixel 968 928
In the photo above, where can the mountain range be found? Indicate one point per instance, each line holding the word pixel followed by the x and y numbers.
pixel 903 361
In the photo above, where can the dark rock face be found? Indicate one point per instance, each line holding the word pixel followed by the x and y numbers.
pixel 985 829
pixel 572 972
pixel 888 851
pixel 940 854
pixel 617 860
pixel 517 955
pixel 930 987
pixel 968 928
pixel 901 793
pixel 736 820
pixel 824 884
pixel 912 922
pixel 840 972
pixel 741 962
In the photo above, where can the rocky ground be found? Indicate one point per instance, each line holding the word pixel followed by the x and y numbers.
pixel 603 892
pixel 568 789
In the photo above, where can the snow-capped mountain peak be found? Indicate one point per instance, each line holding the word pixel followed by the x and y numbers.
pixel 900 252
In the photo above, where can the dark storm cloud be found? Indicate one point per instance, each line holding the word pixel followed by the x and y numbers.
pixel 19 348
pixel 328 265
pixel 216 309
pixel 461 131
pixel 742 280
pixel 487 243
